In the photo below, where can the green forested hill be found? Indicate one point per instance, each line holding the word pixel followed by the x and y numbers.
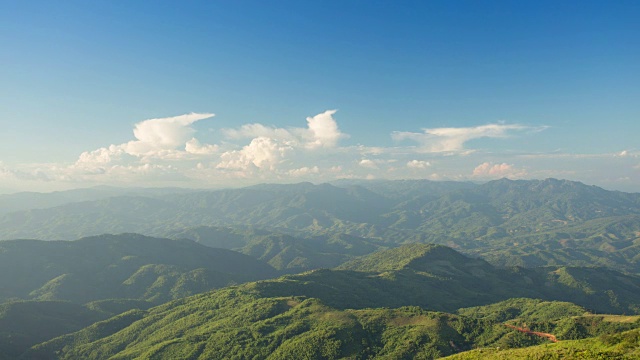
pixel 345 312
pixel 24 324
pixel 622 346
pixel 119 266
pixel 287 253
pixel 296 206
pixel 234 324
pixel 27 323
pixel 109 274
pixel 438 278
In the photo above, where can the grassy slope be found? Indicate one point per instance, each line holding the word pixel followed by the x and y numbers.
pixel 625 345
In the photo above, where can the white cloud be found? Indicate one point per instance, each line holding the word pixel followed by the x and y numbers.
pixel 163 138
pixel 367 163
pixel 418 164
pixel 304 171
pixel 627 154
pixel 262 153
pixel 258 130
pixel 169 151
pixel 453 139
pixel 194 146
pixel 491 170
pixel 322 132
pixel 101 156
pixel 163 133
pixel 376 163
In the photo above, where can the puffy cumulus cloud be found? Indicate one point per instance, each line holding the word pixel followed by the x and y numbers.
pixel 111 154
pixel 168 138
pixel 168 151
pixel 322 132
pixel 367 163
pixel 418 164
pixel 165 145
pixel 453 139
pixel 491 170
pixel 261 153
pixel 163 133
pixel 194 146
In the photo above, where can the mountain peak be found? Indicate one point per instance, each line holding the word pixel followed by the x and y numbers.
pixel 419 257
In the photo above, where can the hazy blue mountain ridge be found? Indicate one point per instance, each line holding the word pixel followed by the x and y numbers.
pixel 524 222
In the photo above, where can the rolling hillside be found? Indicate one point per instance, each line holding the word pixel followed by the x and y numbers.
pixel 367 308
pixel 286 253
pixel 119 266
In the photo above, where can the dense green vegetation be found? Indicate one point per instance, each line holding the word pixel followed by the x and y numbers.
pixel 101 277
pixel 346 312
pixel 119 266
pixel 566 321
pixel 623 346
pixel 438 278
pixel 233 324
pixel 284 252
pixel 236 324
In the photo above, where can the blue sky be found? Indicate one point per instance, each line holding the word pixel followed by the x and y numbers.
pixel 455 90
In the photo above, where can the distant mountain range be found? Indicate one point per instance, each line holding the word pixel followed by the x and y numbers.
pixel 527 223
pixel 32 200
